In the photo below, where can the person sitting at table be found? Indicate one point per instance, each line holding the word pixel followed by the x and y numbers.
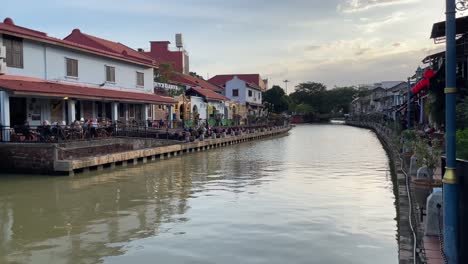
pixel 26 131
pixel 94 127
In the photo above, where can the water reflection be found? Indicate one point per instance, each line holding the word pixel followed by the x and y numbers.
pixel 319 195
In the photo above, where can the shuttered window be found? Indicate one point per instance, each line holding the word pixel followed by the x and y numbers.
pixel 72 67
pixel 140 79
pixel 110 74
pixel 14 51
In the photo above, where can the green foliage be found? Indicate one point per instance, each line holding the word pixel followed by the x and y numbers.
pixel 462 114
pixel 428 153
pixel 323 101
pixel 408 137
pixel 304 109
pixel 462 144
pixel 164 73
pixel 277 99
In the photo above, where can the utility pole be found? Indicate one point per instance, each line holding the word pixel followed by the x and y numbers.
pixel 450 187
pixel 286 86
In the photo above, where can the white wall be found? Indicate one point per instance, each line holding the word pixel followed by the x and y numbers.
pixel 48 62
pixel 218 105
pixel 239 84
pixel 256 96
pixel 201 105
pixel 243 97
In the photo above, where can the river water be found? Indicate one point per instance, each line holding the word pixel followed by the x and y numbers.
pixel 322 194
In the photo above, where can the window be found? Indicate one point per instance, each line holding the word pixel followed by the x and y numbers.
pixel 140 79
pixel 110 74
pixel 121 110
pixel 235 92
pixel 131 110
pixel 14 51
pixel 150 111
pixel 250 93
pixel 72 67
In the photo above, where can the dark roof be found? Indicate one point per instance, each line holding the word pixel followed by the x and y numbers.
pixel 438 29
pixel 222 79
pixel 208 94
pixel 194 82
pixel 32 86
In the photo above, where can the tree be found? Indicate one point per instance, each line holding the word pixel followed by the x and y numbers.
pixel 164 73
pixel 325 103
pixel 277 98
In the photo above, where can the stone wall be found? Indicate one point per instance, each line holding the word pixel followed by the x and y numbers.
pixel 24 158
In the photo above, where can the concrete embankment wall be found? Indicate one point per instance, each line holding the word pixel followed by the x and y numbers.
pixel 69 158
pixel 405 235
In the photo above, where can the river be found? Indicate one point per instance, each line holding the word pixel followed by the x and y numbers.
pixel 322 194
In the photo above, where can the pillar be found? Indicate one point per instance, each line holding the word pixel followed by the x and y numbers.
pixel 115 111
pixel 170 116
pixel 145 114
pixel 71 111
pixel 5 115
pixel 450 182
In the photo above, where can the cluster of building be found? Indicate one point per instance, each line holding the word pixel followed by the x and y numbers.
pixel 88 77
pixel 415 102
pixel 383 98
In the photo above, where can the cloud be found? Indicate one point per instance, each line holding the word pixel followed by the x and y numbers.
pixel 312 47
pixel 352 6
pixel 376 24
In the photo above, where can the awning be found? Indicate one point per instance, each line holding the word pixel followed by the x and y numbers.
pixel 19 85
pixel 254 104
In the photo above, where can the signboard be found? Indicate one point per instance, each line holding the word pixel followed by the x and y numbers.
pixel 166 86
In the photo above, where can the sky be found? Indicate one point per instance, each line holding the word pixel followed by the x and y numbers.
pixel 336 42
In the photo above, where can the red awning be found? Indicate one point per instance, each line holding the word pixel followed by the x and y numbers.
pixel 20 85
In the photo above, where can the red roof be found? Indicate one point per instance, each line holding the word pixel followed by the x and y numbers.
pixel 8 27
pixel 194 82
pixel 222 79
pixel 20 85
pixel 253 85
pixel 116 47
pixel 209 94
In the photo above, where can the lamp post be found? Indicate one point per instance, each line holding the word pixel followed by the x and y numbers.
pixel 450 187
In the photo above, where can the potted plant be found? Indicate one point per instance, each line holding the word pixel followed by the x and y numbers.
pixel 428 153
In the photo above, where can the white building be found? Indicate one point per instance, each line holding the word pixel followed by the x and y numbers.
pixel 81 76
pixel 208 104
pixel 246 93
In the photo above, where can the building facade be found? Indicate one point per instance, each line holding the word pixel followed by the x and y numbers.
pixel 79 77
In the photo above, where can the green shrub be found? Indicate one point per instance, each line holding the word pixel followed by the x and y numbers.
pixel 408 136
pixel 462 144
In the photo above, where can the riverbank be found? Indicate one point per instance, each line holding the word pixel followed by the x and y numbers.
pixel 406 217
pixel 83 156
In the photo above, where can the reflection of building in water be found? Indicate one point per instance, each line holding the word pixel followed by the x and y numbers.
pixel 63 220
pixel 80 218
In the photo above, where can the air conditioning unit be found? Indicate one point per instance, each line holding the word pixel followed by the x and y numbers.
pixel 2 52
pixel 3 67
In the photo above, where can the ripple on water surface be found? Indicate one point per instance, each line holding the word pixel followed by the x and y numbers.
pixel 322 194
